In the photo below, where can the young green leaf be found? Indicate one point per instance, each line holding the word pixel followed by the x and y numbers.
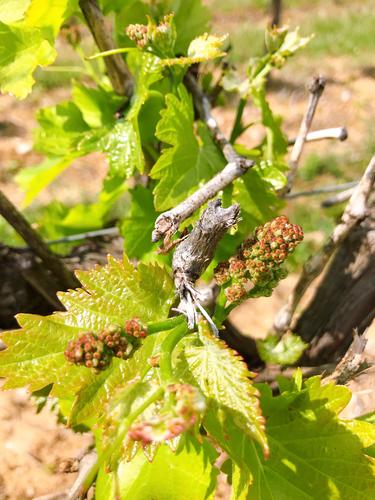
pixel 184 475
pixel 257 198
pixel 27 37
pixel 61 127
pixel 191 19
pixel 276 143
pixel 313 453
pixel 111 294
pixel 90 403
pixel 190 159
pixel 138 225
pixel 97 105
pixel 124 149
pixel 123 142
pixel 33 180
pixel 206 47
pixel 223 377
pixel 283 351
pixel 201 49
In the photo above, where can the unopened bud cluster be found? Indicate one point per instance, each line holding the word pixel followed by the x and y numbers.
pixel 138 33
pixel 95 350
pixel 87 350
pixel 259 260
pixel 135 329
pixel 188 405
pixel 160 37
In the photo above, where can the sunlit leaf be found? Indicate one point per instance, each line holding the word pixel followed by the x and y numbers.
pixel 313 453
pixel 111 294
pixel 137 227
pixel 32 180
pixel 184 475
pixel 27 37
pixel 223 376
pixel 190 160
pixel 283 351
pixel 123 141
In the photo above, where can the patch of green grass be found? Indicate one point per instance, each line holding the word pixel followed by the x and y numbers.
pixel 350 34
pixel 344 28
pixel 231 5
pixel 316 165
pixel 369 141
pixel 311 217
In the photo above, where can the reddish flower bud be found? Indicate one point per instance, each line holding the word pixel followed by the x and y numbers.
pixel 134 328
pixel 222 274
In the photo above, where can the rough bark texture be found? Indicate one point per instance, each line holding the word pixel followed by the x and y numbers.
pixel 17 294
pixel 345 299
pixel 195 252
pixel 61 274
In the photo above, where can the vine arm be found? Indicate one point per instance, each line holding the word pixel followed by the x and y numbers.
pixel 118 72
pixel 353 362
pixel 63 276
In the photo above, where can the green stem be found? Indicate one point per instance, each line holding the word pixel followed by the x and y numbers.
pixel 168 324
pixel 166 350
pixel 237 126
pixel 112 52
pixel 123 429
pixel 221 311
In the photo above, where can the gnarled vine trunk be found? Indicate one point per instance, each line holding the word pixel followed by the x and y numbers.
pixel 345 299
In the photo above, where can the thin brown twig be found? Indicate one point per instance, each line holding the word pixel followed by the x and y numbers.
pixel 168 222
pixel 316 89
pixel 63 276
pixel 355 211
pixel 336 133
pixel 338 198
pixel 79 488
pixel 118 72
pixel 345 187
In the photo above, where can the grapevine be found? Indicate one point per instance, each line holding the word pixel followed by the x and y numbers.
pixel 140 350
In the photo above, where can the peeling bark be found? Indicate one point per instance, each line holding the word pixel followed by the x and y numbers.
pixel 345 299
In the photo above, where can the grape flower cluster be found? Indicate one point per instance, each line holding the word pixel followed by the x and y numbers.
pixel 159 37
pixel 257 267
pixel 95 350
pixel 184 405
